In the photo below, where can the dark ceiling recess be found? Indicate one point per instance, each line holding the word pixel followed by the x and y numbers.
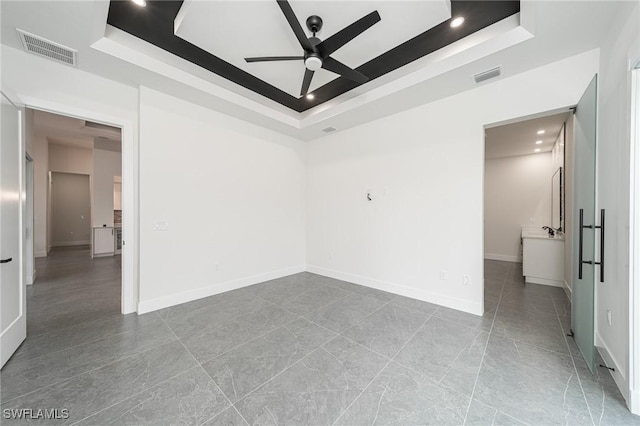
pixel 154 24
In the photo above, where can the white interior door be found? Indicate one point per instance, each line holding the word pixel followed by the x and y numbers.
pixel 13 323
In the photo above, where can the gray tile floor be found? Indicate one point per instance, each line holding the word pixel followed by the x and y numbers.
pixel 304 349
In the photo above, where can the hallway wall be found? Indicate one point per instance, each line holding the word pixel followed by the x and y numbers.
pixel 70 210
pixel 517 193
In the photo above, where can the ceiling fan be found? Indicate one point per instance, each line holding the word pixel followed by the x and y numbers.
pixel 317 52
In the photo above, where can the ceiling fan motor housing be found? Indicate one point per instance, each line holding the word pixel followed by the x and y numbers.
pixel 314 23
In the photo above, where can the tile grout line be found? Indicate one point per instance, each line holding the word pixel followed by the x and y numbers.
pixel 121 358
pixel 233 318
pixel 142 391
pixel 291 312
pixel 484 353
pixel 339 334
pixel 336 334
pixel 383 368
pixel 75 346
pixel 573 362
pixel 284 370
pixel 209 376
pixel 252 339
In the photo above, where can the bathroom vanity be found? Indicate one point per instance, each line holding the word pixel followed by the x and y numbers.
pixel 542 257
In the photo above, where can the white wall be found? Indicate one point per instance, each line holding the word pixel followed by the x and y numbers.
pixel 63 159
pixel 517 193
pixel 70 159
pixel 106 165
pixel 70 207
pixel 231 194
pixel 40 155
pixel 425 170
pixel 614 131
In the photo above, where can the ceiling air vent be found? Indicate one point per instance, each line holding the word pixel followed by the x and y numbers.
pixel 329 129
pixel 43 47
pixel 488 74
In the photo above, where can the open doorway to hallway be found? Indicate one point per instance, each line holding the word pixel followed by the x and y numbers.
pixel 76 217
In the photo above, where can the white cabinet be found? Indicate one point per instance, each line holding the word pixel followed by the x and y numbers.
pixel 103 241
pixel 543 260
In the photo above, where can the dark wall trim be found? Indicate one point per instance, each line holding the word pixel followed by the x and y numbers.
pixel 154 24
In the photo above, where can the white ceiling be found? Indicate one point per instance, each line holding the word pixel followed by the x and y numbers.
pixel 520 138
pixel 68 131
pixel 560 29
pixel 226 29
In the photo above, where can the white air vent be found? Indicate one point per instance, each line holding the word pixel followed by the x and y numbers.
pixel 43 47
pixel 329 129
pixel 488 74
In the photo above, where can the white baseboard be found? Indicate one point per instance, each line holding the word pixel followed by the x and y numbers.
pixel 619 376
pixel 567 289
pixel 634 401
pixel 71 243
pixel 202 292
pixel 414 293
pixel 544 281
pixel 31 278
pixel 503 257
pixel 40 253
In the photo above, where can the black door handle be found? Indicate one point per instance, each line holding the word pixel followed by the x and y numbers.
pixel 580 239
pixel 6 260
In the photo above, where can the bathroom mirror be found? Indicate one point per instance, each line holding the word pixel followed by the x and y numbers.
pixel 557 200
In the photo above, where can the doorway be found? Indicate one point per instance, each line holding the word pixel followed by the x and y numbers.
pixel 75 162
pixel 525 228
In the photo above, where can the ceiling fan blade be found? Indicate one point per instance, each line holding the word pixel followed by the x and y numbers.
pixel 306 82
pixel 295 25
pixel 347 34
pixel 274 58
pixel 338 67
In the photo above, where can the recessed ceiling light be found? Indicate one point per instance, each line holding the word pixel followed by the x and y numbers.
pixel 541 132
pixel 456 22
pixel 310 96
pixel 141 3
pixel 538 142
pixel 537 150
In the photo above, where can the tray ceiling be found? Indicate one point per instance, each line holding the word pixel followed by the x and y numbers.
pixel 217 35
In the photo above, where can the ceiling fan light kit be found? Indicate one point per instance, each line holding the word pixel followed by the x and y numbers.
pixel 317 52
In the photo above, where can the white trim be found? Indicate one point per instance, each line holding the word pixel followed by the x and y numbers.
pixel 634 245
pixel 42 253
pixel 469 306
pixel 130 284
pixel 544 281
pixel 71 243
pixel 567 290
pixel 503 257
pixel 610 361
pixel 211 290
pixel 32 278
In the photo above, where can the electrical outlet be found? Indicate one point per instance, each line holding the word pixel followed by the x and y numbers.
pixel 609 316
pixel 466 279
pixel 443 275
